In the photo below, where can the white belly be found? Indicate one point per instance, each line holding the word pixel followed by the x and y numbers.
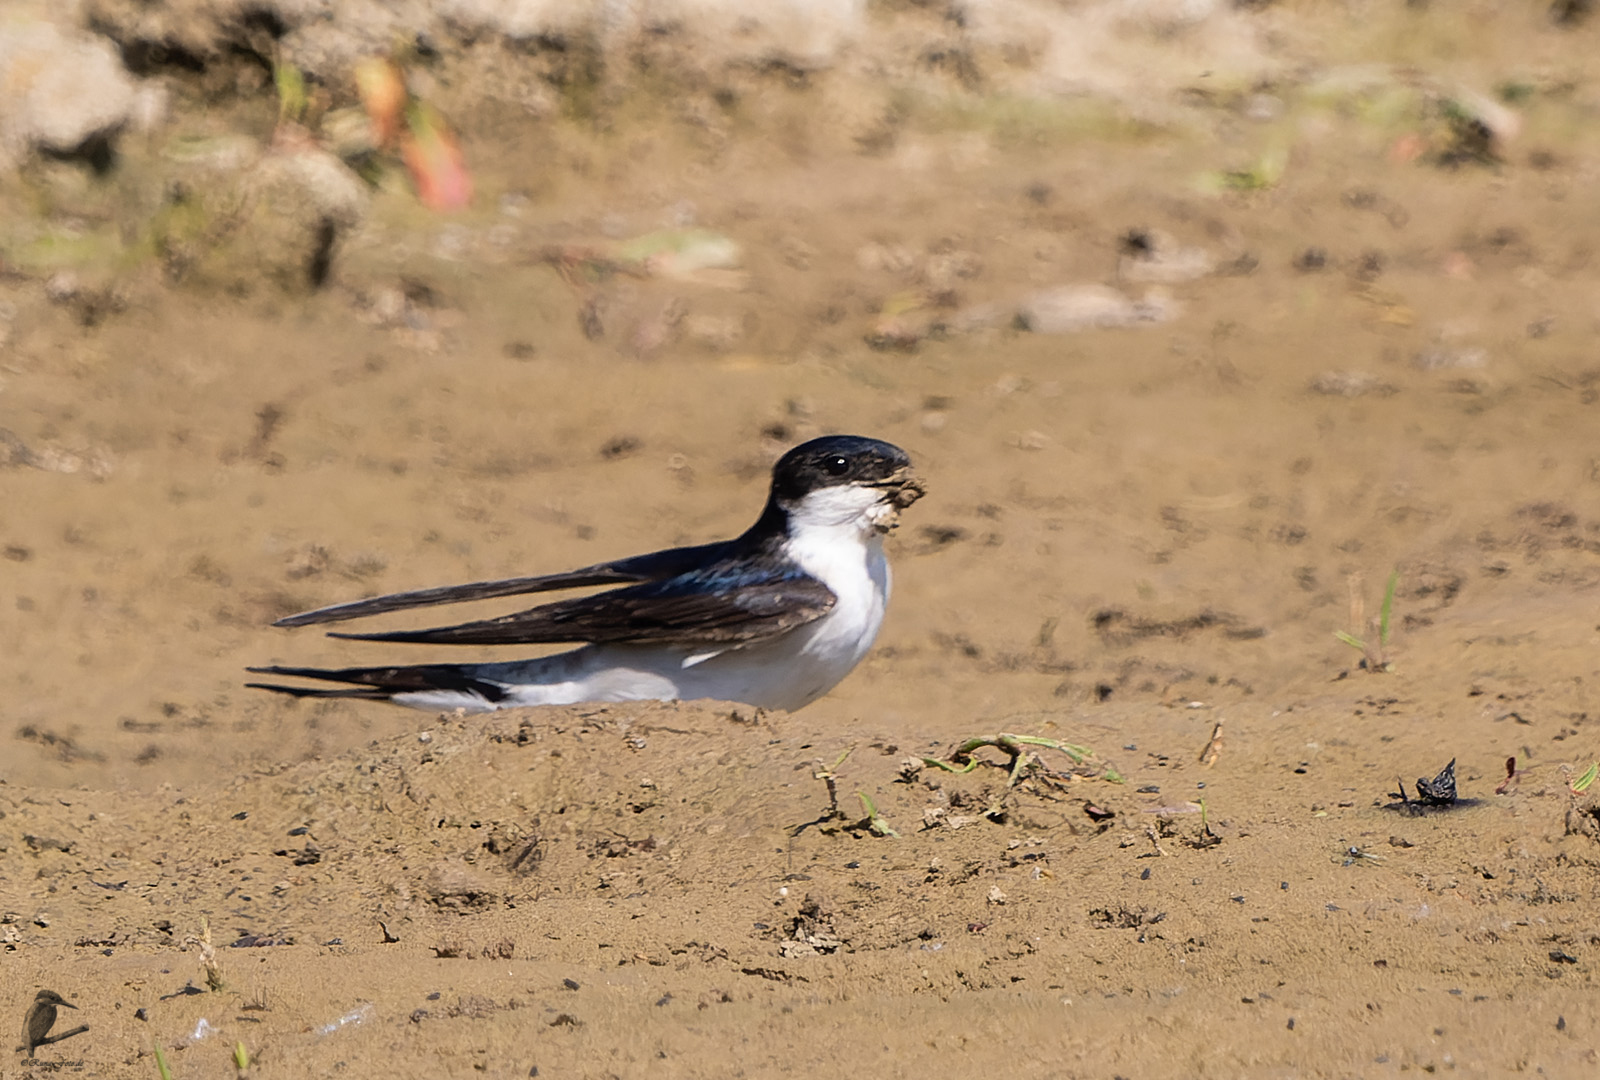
pixel 823 652
pixel 789 672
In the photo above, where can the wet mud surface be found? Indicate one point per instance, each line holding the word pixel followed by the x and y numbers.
pixel 1140 538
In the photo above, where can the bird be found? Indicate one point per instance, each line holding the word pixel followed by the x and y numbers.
pixel 41 1018
pixel 773 618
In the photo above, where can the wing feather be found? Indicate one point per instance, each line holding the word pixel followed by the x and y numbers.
pixel 655 566
pixel 704 608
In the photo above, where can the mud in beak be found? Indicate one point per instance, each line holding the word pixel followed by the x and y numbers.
pixel 899 492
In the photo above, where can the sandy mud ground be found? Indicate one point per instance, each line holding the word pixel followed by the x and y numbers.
pixel 1376 352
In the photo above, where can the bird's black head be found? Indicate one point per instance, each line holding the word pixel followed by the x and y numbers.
pixel 836 481
pixel 50 997
pixel 837 460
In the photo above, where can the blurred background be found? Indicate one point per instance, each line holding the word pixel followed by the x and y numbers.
pixel 1202 319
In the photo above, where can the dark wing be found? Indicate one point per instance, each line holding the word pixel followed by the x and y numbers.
pixel 723 605
pixel 652 567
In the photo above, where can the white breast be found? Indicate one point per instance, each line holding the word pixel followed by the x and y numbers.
pixel 834 542
pixel 857 573
pixel 788 672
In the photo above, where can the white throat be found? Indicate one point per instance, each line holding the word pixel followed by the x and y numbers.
pixel 846 507
pixel 834 535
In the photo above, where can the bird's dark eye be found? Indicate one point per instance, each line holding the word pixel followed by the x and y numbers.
pixel 836 466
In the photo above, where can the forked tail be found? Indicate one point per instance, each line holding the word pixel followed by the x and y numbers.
pixel 386 683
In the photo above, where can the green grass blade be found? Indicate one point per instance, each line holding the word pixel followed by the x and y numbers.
pixel 1388 605
pixel 161 1062
pixel 292 95
pixel 947 767
pixel 875 820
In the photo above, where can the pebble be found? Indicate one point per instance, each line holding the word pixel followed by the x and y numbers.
pixel 1157 257
pixel 1350 384
pixel 62 89
pixel 1069 309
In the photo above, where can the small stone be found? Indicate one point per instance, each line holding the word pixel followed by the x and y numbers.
pixel 62 287
pixel 1070 309
pixel 63 92
pixel 1151 255
pixel 1350 384
pixel 1311 260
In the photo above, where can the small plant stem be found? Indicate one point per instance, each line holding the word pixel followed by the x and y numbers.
pixel 875 820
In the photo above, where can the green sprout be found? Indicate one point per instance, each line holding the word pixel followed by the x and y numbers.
pixel 1263 173
pixel 1017 748
pixel 1207 837
pixel 829 775
pixel 241 1058
pixel 962 761
pixel 1375 653
pixel 292 95
pixel 875 821
pixel 1581 784
pixel 1514 92
pixel 161 1062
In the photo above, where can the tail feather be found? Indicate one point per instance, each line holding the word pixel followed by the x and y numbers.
pixel 382 683
pixel 364 693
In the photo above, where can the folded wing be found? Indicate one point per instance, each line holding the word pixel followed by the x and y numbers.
pixel 656 566
pixel 725 606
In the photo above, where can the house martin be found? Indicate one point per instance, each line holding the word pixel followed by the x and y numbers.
pixel 775 617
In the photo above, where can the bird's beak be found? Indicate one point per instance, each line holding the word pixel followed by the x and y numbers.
pixel 69 1004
